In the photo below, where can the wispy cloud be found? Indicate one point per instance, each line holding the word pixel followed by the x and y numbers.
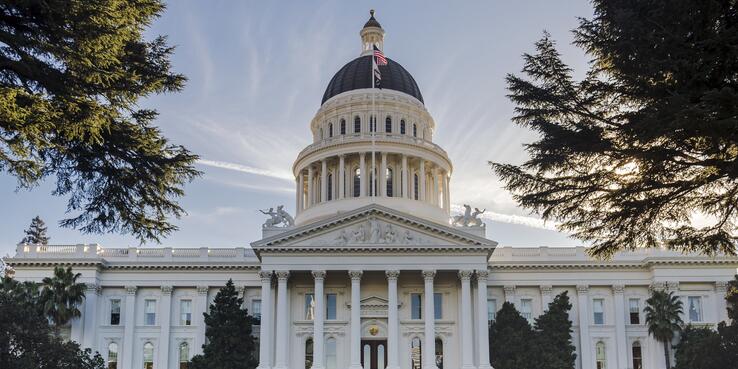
pixel 511 219
pixel 247 169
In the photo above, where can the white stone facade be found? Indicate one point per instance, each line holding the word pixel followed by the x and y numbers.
pixel 374 268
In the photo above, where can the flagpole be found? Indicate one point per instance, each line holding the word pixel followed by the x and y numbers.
pixel 372 185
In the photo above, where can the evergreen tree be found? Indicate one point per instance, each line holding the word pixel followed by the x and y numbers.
pixel 663 317
pixel 73 72
pixel 627 155
pixel 510 337
pixel 230 344
pixel 554 348
pixel 728 331
pixel 36 233
pixel 700 348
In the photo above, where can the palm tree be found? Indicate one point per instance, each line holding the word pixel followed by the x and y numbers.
pixel 60 296
pixel 663 318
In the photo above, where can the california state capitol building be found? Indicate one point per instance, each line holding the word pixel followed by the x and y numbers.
pixel 373 271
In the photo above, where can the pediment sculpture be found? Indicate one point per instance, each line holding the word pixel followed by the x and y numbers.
pixel 278 218
pixel 469 218
pixel 373 231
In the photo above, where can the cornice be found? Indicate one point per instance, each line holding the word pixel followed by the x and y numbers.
pixel 645 264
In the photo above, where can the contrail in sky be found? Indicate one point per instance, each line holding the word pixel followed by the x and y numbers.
pixel 246 169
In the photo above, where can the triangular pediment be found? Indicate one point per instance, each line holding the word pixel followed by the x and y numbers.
pixel 374 227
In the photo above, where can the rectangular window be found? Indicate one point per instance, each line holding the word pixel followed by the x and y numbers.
pixel 309 306
pixel 330 306
pixel 115 312
pixel 695 308
pixel 491 310
pixel 526 309
pixel 256 311
pixel 416 303
pixel 185 312
pixel 598 307
pixel 438 305
pixel 150 312
pixel 635 311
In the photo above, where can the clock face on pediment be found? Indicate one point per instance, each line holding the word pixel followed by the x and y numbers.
pixel 372 230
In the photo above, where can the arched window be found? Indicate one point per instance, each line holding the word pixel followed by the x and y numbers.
pixel 309 353
pixel 357 124
pixel 637 355
pixel 416 354
pixel 331 354
pixel 439 353
pixel 600 355
pixel 112 356
pixel 388 184
pixel 402 126
pixel 343 126
pixel 388 125
pixel 184 355
pixel 330 186
pixel 321 134
pixel 357 182
pixel 330 129
pixel 148 356
pixel 415 130
pixel 415 186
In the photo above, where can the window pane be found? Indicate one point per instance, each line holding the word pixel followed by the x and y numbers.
pixel 184 352
pixel 634 308
pixel 148 355
pixel 695 308
pixel 185 312
pixel 330 306
pixel 491 309
pixel 309 306
pixel 256 310
pixel 599 314
pixel 416 301
pixel 115 312
pixel 367 356
pixel 113 355
pixel 637 356
pixel 309 353
pixel 439 353
pixel 331 358
pixel 380 356
pixel 415 353
pixel 150 312
pixel 438 305
pixel 526 309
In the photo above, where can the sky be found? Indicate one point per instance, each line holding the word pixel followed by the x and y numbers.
pixel 257 71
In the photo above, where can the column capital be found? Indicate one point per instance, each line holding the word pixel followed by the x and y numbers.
pixel 392 274
pixel 672 286
pixel 265 276
pixel 202 290
pixel 282 275
pixel 509 289
pixel 618 289
pixel 131 290
pixel 546 289
pixel 94 288
pixel 721 286
pixel 465 275
pixel 582 289
pixel 355 274
pixel 429 274
pixel 318 274
pixel 482 274
pixel 166 290
pixel 657 286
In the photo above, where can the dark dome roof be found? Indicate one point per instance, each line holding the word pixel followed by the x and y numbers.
pixel 357 74
pixel 372 22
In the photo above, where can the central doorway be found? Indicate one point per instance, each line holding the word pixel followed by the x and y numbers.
pixel 374 354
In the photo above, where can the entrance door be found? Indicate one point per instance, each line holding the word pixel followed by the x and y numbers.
pixel 374 354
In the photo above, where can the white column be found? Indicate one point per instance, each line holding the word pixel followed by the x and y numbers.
pixel 130 323
pixel 324 180
pixel 362 172
pixel 341 177
pixel 584 339
pixel 165 323
pixel 199 319
pixel 383 175
pixel 355 319
pixel 621 343
pixel 266 326
pixel 283 319
pixel 90 316
pixel 429 351
pixel 546 291
pixel 446 192
pixel 482 324
pixel 318 336
pixel 421 178
pixel 721 289
pixel 300 192
pixel 467 341
pixel 405 182
pixel 393 321
pixel 435 186
pixel 310 197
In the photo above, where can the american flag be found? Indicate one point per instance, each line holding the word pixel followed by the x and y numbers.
pixel 379 57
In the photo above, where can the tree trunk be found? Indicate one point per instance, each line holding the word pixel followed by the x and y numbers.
pixel 666 355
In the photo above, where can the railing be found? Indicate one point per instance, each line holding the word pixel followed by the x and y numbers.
pixel 379 137
pixel 95 251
